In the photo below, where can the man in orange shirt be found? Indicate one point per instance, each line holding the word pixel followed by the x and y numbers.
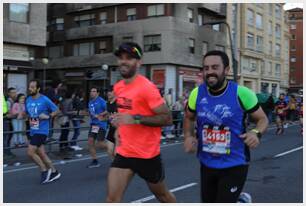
pixel 141 114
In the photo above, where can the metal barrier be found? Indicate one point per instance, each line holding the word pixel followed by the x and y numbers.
pixel 50 143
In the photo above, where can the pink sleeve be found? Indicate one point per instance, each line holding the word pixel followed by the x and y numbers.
pixel 14 109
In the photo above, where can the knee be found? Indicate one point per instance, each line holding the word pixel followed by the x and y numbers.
pixel 30 153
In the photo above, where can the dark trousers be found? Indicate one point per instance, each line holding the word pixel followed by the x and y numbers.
pixel 7 137
pixel 64 135
pixel 76 124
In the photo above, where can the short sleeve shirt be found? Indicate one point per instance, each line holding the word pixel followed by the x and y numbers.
pixel 140 97
pixel 35 107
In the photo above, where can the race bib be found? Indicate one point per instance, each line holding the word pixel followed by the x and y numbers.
pixel 280 111
pixel 95 129
pixel 216 140
pixel 34 123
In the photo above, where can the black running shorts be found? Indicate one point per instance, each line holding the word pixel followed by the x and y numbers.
pixel 38 139
pixel 151 170
pixel 222 185
pixel 97 134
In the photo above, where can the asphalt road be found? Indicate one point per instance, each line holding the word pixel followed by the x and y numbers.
pixel 271 178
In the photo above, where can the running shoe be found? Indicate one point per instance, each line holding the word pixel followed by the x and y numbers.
pixel 45 176
pixel 54 176
pixel 94 164
pixel 245 198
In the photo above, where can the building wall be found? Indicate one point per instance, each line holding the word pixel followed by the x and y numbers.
pixel 32 33
pixel 296 50
pixel 253 65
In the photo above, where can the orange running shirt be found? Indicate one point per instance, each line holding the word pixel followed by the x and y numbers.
pixel 138 97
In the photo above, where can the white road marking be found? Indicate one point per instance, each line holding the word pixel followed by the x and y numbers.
pixel 290 151
pixel 145 199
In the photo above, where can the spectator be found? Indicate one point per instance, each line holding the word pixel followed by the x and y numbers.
pixel 67 111
pixel 77 105
pixel 53 94
pixel 12 94
pixel 18 109
pixel 177 114
pixel 292 109
pixel 268 107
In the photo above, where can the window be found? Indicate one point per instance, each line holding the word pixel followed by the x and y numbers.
pixel 131 14
pixel 55 51
pixel 152 43
pixel 270 47
pixel 191 45
pixel 277 69
pixel 250 17
pixel 271 9
pixel 190 15
pixel 292 80
pixel 250 40
pixel 19 12
pixel 200 19
pixel 293 59
pixel 85 20
pixel 102 47
pixel 274 88
pixel 57 23
pixel 293 47
pixel 103 18
pixel 277 30
pixel 259 43
pixel 292 26
pixel 204 48
pixel 259 21
pixel 83 49
pixel 219 48
pixel 127 39
pixel 277 50
pixel 293 37
pixel 264 87
pixel 156 10
pixel 216 27
pixel 278 11
pixel 270 27
pixel 270 68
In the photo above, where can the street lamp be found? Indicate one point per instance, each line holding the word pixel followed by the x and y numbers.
pixel 45 62
pixel 234 61
pixel 104 68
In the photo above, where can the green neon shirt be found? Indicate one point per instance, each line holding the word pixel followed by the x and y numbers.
pixel 4 105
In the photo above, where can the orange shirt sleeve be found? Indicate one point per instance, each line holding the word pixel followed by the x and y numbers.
pixel 152 96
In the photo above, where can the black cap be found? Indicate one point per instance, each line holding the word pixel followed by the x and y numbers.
pixel 131 48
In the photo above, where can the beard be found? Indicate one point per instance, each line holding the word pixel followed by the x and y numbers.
pixel 33 93
pixel 218 84
pixel 127 72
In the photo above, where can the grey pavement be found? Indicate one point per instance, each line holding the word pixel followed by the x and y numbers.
pixel 271 179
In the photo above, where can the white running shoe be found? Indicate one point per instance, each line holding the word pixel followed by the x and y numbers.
pixel 245 198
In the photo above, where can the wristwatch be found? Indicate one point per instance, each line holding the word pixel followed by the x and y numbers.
pixel 258 133
pixel 137 118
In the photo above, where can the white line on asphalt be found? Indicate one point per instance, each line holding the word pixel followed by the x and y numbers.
pixel 145 199
pixel 75 160
pixel 290 151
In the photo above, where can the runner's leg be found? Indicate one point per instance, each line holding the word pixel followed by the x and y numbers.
pixel 44 157
pixel 161 192
pixel 117 182
pixel 35 157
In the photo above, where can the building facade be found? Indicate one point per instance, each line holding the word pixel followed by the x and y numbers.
pixel 83 37
pixel 261 43
pixel 295 21
pixel 24 38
